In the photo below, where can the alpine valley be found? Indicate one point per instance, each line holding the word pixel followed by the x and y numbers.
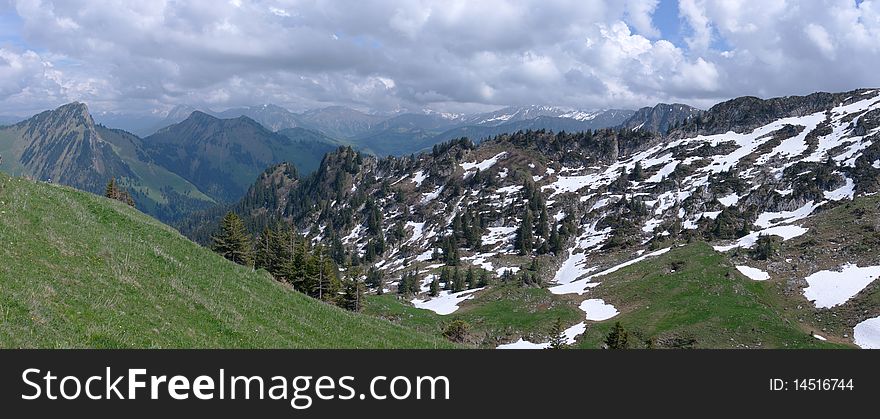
pixel 753 224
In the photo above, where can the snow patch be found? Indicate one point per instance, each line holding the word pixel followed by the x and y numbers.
pixel 770 219
pixel 419 177
pixel 844 192
pixel 580 286
pixel 446 302
pixel 664 172
pixel 570 335
pixel 753 273
pixel 786 232
pixel 418 229
pixel 428 197
pixel 598 310
pixel 867 334
pixel 483 165
pixel 832 288
pixel 729 200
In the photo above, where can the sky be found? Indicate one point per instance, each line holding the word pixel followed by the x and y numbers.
pixel 146 56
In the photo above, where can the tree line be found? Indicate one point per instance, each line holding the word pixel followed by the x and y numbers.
pixel 290 258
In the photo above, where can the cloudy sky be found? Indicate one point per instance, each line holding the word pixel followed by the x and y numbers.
pixel 450 55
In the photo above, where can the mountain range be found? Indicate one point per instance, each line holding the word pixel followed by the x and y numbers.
pixel 399 134
pixel 201 159
pixel 750 225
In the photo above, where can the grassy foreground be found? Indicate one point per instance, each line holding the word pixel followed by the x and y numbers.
pixel 81 271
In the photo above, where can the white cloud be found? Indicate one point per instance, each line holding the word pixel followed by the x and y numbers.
pixel 820 37
pixel 457 54
pixel 640 15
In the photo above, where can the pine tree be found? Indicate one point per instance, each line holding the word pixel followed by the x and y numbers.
pixel 555 244
pixel 617 337
pixel 558 339
pixel 445 279
pixel 376 279
pixel 353 293
pixel 638 173
pixel 524 237
pixel 111 191
pixel 435 287
pixel 471 279
pixel 233 242
pixel 484 279
pixel 263 256
pixel 458 281
pixel 324 277
pixel 543 227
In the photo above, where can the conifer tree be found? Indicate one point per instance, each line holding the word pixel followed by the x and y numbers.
pixel 111 190
pixel 458 281
pixel 543 227
pixel 557 335
pixel 353 292
pixel 233 242
pixel 471 279
pixel 638 173
pixel 445 279
pixel 555 243
pixel 435 287
pixel 263 255
pixel 524 237
pixel 376 279
pixel 324 276
pixel 617 337
pixel 484 279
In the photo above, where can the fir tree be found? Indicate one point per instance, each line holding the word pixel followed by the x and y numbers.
pixel 111 190
pixel 233 242
pixel 617 337
pixel 458 281
pixel 524 237
pixel 484 279
pixel 376 279
pixel 557 335
pixel 435 287
pixel 353 293
pixel 555 243
pixel 263 255
pixel 471 279
pixel 638 173
pixel 445 279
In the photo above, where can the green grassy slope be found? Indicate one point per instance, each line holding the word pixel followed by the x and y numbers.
pixel 694 297
pixel 79 270
pixel 691 297
pixel 495 315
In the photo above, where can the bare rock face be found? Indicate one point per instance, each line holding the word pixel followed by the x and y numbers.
pixel 64 146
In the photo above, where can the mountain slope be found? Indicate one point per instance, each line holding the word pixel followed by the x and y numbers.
pixel 505 123
pixel 556 210
pixel 273 117
pixel 81 271
pixel 339 121
pixel 223 156
pixel 661 117
pixel 67 147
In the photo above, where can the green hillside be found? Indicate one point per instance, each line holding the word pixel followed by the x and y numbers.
pixel 81 271
pixel 693 297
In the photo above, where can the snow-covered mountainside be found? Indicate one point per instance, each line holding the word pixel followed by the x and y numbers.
pixel 564 211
